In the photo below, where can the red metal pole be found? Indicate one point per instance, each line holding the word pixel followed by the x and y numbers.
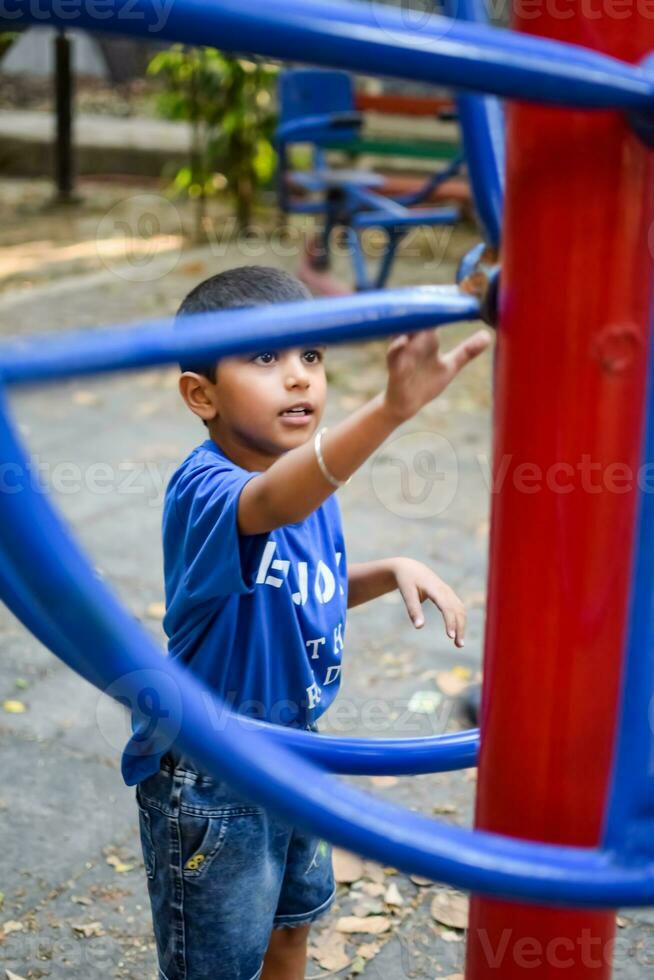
pixel 570 380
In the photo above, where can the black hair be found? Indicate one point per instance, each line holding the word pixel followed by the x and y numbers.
pixel 246 286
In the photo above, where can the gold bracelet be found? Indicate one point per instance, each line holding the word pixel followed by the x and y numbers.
pixel 321 462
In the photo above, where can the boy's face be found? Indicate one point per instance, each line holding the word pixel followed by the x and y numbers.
pixel 248 406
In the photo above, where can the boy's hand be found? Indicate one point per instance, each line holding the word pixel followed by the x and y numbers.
pixel 417 582
pixel 418 372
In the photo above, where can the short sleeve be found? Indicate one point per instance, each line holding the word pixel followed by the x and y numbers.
pixel 217 558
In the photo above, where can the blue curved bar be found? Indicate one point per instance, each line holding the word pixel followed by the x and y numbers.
pixel 50 566
pixel 373 38
pixel 378 756
pixel 481 118
pixel 348 756
pixel 218 334
pixel 630 813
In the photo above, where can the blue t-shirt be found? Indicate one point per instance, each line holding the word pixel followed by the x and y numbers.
pixel 259 618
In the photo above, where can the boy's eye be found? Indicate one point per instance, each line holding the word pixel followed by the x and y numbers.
pixel 313 355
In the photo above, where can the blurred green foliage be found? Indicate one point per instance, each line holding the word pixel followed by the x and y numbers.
pixel 7 38
pixel 229 104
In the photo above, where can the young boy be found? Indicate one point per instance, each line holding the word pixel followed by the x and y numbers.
pixel 257 589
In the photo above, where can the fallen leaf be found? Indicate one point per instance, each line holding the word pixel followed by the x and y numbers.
pixel 445 808
pixel 88 929
pixel 450 909
pixel 374 924
pixel 384 780
pixel 453 682
pixel 454 976
pixel 368 906
pixel 328 950
pixel 449 936
pixel 12 976
pixel 393 896
pixel 420 881
pixel 348 867
pixel 22 683
pixel 81 899
pixel 373 888
pixel 425 702
pixel 119 865
pixel 373 871
pixel 368 950
pixel 12 926
pixel 14 707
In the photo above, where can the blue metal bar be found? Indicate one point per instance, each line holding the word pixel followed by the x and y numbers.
pixel 415 218
pixel 361 279
pixel 219 334
pixel 373 38
pixel 301 130
pixel 393 240
pixel 630 817
pixel 416 197
pixel 379 756
pixel 363 197
pixel 483 128
pixel 50 566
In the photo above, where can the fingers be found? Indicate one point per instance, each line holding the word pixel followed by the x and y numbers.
pixel 413 604
pixel 454 615
pixel 397 344
pixel 467 350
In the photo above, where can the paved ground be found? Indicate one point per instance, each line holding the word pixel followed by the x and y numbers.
pixel 74 901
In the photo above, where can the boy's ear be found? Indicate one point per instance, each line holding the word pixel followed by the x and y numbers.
pixel 195 389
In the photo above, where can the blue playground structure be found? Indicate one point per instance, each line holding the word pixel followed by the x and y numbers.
pixel 314 105
pixel 566 785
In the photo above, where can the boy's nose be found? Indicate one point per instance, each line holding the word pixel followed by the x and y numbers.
pixel 297 374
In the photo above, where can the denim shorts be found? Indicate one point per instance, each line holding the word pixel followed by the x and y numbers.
pixel 222 872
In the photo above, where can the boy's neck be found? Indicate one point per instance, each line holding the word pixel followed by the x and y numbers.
pixel 245 454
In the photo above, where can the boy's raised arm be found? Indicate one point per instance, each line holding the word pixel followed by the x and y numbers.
pixel 294 485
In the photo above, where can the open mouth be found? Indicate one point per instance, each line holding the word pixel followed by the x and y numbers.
pixel 297 412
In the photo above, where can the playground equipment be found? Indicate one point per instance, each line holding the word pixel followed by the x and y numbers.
pixel 566 788
pixel 317 105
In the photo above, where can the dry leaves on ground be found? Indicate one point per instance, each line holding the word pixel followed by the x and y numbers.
pixel 450 909
pixel 88 929
pixel 373 924
pixel 348 867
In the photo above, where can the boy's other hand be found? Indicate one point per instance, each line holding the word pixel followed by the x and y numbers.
pixel 418 372
pixel 417 582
